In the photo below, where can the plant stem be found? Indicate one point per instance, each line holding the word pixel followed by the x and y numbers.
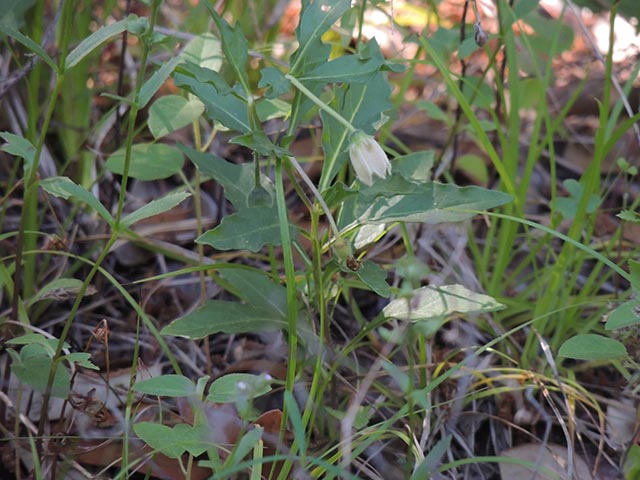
pixel 323 106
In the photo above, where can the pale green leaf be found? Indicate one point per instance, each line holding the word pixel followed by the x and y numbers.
pixel 155 207
pixel 167 386
pixel 153 84
pixel 625 315
pixel 20 147
pixel 148 161
pixel 430 302
pixel 234 386
pixel 173 442
pixel 172 112
pixel 204 50
pixel 590 346
pixel 93 41
pixel 65 188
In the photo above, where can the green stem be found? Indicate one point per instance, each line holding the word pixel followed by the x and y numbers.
pixel 323 106
pixel 290 281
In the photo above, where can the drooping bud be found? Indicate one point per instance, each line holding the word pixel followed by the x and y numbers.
pixel 368 158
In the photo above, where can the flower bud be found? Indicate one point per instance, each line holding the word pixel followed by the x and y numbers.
pixel 368 158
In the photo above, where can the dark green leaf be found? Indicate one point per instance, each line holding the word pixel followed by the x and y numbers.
pixel 218 316
pixel 260 143
pixel 258 289
pixel 249 229
pixel 315 19
pixel 429 203
pixel 349 68
pixel 374 277
pixel 274 81
pixel 234 46
pixel 237 180
pixel 227 109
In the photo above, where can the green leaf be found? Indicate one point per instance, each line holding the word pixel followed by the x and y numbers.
pixel 431 302
pixel 467 47
pixel 237 180
pixel 568 206
pixel 58 290
pixel 149 161
pixel 234 46
pixel 172 112
pixel 274 81
pixel 626 314
pixel 64 187
pixel 81 359
pixel 349 68
pixel 151 86
pixel 362 105
pixel 428 203
pixel 269 109
pixel 430 463
pixel 629 216
pixel 590 346
pixel 229 388
pixel 34 371
pixel 631 467
pixel 415 167
pixel 48 345
pixel 259 142
pixel 257 289
pixel 375 277
pixel 315 19
pixel 12 12
pixel 173 442
pixel 93 41
pixel 249 229
pixel 634 272
pixel 218 316
pixel 167 386
pixel 155 207
pixel 245 445
pixel 205 51
pixel 30 44
pixel 226 108
pixel 20 147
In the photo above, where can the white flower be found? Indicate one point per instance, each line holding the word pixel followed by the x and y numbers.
pixel 368 158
